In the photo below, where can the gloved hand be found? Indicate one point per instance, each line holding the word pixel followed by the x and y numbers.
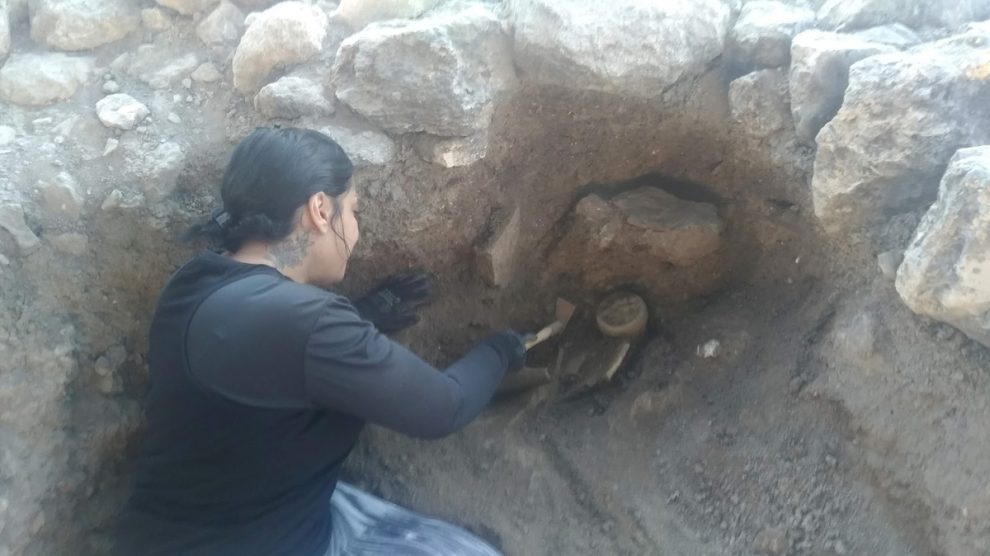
pixel 392 305
pixel 511 346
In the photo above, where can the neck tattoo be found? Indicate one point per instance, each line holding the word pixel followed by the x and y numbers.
pixel 291 251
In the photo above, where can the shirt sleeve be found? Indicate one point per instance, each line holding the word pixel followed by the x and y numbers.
pixel 351 367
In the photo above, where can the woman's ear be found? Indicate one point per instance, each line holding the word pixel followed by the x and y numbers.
pixel 320 211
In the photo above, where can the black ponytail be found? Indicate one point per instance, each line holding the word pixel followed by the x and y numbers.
pixel 271 173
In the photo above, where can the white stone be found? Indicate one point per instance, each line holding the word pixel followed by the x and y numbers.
pixel 895 34
pixel 844 15
pixel 7 135
pixel 632 47
pixel 161 68
pixel 441 74
pixel 904 116
pixel 159 169
pixel 4 31
pixel 847 15
pixel 82 24
pixel 762 35
pixel 292 97
pixel 359 13
pixel 453 152
pixel 223 26
pixel 121 111
pixel 61 196
pixel 12 220
pixel 206 73
pixel 820 63
pixel 155 19
pixel 174 118
pixel 758 103
pixel 365 147
pixel 111 145
pixel 111 87
pixel 70 243
pixel 188 7
pixel 42 79
pixel 285 34
pixel 946 270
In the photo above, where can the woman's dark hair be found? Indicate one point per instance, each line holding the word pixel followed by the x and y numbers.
pixel 271 173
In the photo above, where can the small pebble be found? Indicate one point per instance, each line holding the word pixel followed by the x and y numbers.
pixel 111 87
pixel 187 83
pixel 174 118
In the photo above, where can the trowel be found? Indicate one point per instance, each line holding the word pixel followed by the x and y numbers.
pixel 531 377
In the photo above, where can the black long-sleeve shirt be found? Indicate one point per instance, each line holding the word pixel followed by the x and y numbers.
pixel 259 388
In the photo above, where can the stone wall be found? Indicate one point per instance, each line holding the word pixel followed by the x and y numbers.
pixel 118 115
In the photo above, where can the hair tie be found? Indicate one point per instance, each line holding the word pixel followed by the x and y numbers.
pixel 220 217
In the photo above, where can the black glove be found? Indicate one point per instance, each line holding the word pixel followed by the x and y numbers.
pixel 511 347
pixel 392 305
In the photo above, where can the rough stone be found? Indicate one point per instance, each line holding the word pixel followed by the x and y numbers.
pixel 645 232
pixel 365 147
pixel 495 254
pixel 758 103
pixel 71 243
pixel 7 135
pixel 771 542
pixel 820 63
pixel 285 34
pixel 847 15
pixel 61 195
pixel 904 116
pixel 889 261
pixel 156 171
pixel 292 97
pixel 441 74
pixel 4 31
pixel 161 68
pixel 453 152
pixel 945 274
pixel 188 7
pixel 155 19
pixel 895 34
pixel 357 14
pixel 623 46
pixel 223 26
pixel 111 87
pixel 82 24
pixel 12 220
pixel 762 34
pixel 121 111
pixel 42 79
pixel 206 73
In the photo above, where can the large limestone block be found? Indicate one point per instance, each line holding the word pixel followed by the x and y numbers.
pixel 285 34
pixel 946 270
pixel 358 14
pixel 758 102
pixel 293 97
pixel 762 34
pixel 644 236
pixel 903 117
pixel 42 79
pixel 440 74
pixel 847 15
pixel 82 24
pixel 223 26
pixel 819 75
pixel 631 47
pixel 189 7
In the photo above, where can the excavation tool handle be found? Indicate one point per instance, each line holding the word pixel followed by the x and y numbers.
pixel 543 335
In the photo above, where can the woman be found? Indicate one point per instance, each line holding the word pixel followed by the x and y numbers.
pixel 261 380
